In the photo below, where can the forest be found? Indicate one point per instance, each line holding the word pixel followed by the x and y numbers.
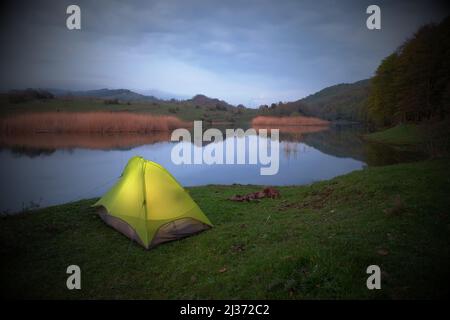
pixel 412 84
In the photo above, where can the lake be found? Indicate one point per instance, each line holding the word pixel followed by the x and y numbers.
pixel 48 169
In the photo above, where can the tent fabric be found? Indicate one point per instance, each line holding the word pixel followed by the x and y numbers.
pixel 149 206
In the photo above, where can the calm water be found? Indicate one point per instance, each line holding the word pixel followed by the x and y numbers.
pixel 45 170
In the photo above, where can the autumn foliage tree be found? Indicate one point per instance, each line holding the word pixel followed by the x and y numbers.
pixel 412 84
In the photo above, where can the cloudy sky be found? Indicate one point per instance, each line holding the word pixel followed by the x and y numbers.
pixel 250 52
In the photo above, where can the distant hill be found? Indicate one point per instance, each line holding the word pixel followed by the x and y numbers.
pixel 20 96
pixel 204 101
pixel 107 94
pixel 128 95
pixel 164 95
pixel 343 101
pixel 199 107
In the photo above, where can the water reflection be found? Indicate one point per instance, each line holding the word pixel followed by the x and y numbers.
pixel 46 143
pixel 46 169
pixel 347 141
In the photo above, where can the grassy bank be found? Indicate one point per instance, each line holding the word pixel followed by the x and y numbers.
pixel 404 134
pixel 409 134
pixel 431 139
pixel 314 242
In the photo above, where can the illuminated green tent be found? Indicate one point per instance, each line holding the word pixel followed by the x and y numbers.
pixel 149 206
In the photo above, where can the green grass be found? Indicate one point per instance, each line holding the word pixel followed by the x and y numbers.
pixel 314 242
pixel 403 134
pixel 431 139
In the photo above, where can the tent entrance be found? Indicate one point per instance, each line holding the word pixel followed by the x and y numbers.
pixel 120 225
pixel 178 229
pixel 173 230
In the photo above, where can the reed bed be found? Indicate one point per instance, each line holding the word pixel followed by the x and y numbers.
pixel 89 122
pixel 288 121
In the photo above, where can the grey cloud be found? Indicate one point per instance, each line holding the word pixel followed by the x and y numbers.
pixel 236 50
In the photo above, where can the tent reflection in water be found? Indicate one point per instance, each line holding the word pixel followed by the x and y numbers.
pixel 149 206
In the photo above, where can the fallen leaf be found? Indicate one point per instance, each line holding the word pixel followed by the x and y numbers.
pixel 224 269
pixel 238 247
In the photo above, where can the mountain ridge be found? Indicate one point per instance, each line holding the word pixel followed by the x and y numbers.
pixel 340 102
pixel 344 101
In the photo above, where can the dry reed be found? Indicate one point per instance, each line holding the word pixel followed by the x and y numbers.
pixel 88 122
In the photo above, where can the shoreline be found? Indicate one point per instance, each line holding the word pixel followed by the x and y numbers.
pixel 350 220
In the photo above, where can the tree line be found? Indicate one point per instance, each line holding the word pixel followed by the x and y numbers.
pixel 412 84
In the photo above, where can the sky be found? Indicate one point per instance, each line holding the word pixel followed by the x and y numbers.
pixel 249 51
